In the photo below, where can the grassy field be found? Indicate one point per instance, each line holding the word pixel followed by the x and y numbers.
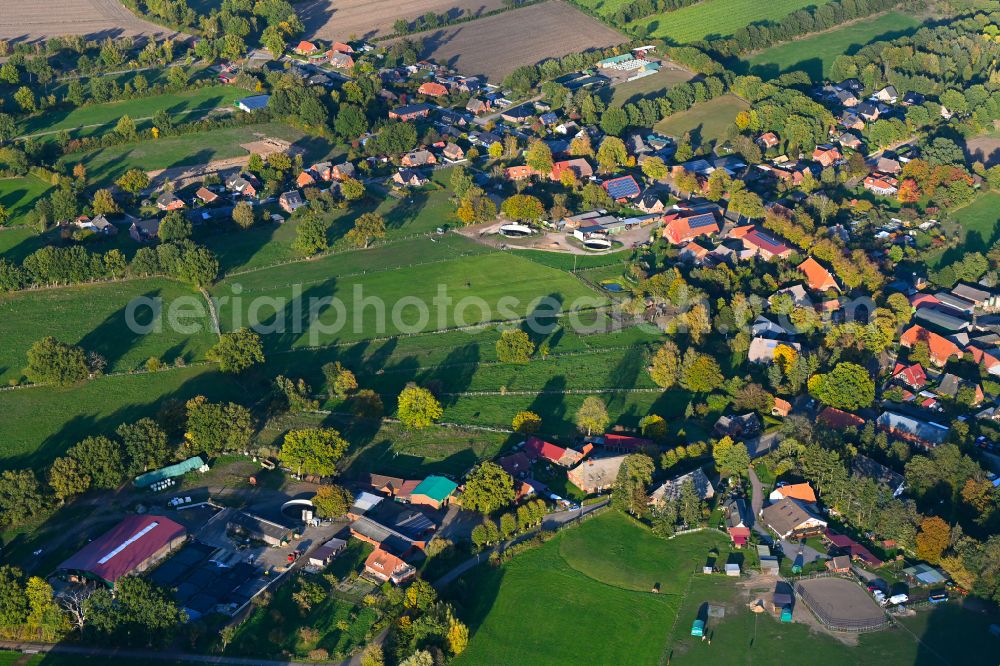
pixel 742 637
pixel 106 164
pixel 18 196
pixel 486 279
pixel 585 584
pixel 716 18
pixel 707 122
pixel 41 422
pixel 979 219
pixel 95 317
pixel 647 86
pixel 815 55
pixel 189 104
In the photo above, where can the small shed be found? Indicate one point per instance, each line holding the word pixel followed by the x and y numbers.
pixel 769 564
pixel 732 569
pixel 323 555
pixel 780 601
pixel 698 628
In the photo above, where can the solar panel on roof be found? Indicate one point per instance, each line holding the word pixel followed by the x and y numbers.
pixel 703 220
pixel 622 187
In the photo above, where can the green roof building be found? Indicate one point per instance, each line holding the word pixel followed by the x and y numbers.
pixel 433 491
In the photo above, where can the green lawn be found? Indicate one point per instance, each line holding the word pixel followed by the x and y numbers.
pixel 716 18
pixel 476 283
pixel 582 598
pixel 106 164
pixel 39 423
pixel 815 55
pixel 603 7
pixel 18 196
pixel 979 219
pixel 96 317
pixel 707 122
pixel 183 106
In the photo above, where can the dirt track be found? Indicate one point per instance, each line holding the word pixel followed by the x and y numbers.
pixel 499 44
pixel 365 19
pixel 30 20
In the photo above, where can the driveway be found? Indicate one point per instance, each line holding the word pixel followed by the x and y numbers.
pixel 757 502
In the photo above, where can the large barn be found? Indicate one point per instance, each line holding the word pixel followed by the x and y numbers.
pixel 132 546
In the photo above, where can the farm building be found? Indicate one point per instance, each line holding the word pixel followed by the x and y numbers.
pixel 672 488
pixel 169 472
pixel 789 520
pixel 253 103
pixel 596 474
pixel 399 489
pixel 924 433
pixel 323 555
pixel 132 546
pixel 434 491
pixel 257 528
pixel 537 448
pixel 924 574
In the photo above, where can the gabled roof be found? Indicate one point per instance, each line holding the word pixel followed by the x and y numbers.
pixel 818 278
pixel 941 348
pixel 766 242
pixel 438 488
pixel 785 516
pixel 913 375
pixel 797 491
pixel 837 418
pixel 623 187
pixel 124 547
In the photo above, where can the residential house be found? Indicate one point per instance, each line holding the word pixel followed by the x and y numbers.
pixel 478 106
pixel 596 474
pixel 144 231
pixel 764 245
pixel 650 202
pixel 291 201
pixel 849 140
pixel 621 443
pixel 453 152
pixel 418 158
pixel 340 60
pixel 253 103
pixel 887 165
pixel 817 277
pixel 305 48
pixel 950 385
pixel 206 195
pixel 432 89
pixel 622 188
pixel 879 473
pixel 408 178
pixel 242 185
pixel 341 47
pixel 911 375
pixel 434 491
pixel 517 114
pixel 679 230
pixel 839 564
pixel 579 166
pixel 394 487
pixel 764 327
pixel 801 492
pixel 517 464
pixel 693 253
pixel 305 179
pixel 880 184
pixel 671 489
pixel 789 520
pixel 925 433
pixel 850 120
pixel 386 567
pixel 519 172
pixel 867 111
pixel 838 419
pixel 912 99
pixel 738 426
pixel 887 95
pixel 410 112
pixel 781 407
pixel 768 140
pixel 762 349
pixel 827 156
pixel 169 201
pixel 342 172
pixel 941 348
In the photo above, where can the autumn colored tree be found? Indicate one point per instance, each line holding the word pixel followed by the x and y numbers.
pixel 932 539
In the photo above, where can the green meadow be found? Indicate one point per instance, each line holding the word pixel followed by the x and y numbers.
pixel 716 18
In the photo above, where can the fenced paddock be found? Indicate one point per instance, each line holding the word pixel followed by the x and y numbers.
pixel 841 604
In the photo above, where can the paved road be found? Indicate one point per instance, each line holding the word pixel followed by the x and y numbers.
pixel 552 522
pixel 154 655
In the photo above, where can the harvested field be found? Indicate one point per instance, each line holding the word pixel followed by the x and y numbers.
pixel 96 19
pixel 497 45
pixel 984 148
pixel 841 604
pixel 325 19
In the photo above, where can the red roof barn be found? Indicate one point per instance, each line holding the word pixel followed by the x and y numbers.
pixel 131 546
